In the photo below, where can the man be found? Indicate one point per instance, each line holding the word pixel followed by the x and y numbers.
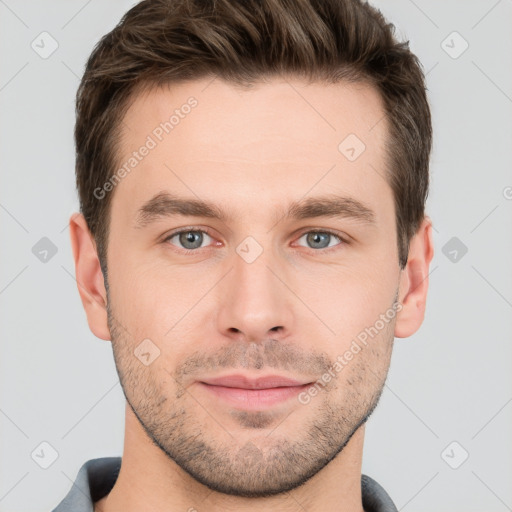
pixel 252 180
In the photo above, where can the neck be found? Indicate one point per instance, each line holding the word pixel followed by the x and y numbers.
pixel 150 480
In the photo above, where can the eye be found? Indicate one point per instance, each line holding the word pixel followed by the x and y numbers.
pixel 321 239
pixel 189 239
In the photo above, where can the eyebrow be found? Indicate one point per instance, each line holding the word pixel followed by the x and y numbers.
pixel 164 205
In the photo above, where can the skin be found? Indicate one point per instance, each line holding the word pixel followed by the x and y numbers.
pixel 292 311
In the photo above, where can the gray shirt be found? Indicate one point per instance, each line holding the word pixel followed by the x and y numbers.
pixel 97 477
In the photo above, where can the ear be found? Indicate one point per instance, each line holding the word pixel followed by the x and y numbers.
pixel 89 277
pixel 414 281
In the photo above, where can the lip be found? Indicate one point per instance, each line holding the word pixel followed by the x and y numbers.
pixel 244 382
pixel 253 394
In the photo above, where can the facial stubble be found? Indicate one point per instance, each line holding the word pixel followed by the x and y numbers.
pixel 276 459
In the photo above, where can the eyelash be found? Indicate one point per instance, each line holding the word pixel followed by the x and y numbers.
pixel 342 240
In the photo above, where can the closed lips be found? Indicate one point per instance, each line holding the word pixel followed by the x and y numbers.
pixel 244 382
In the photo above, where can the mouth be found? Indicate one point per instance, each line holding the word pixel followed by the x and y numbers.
pixel 253 393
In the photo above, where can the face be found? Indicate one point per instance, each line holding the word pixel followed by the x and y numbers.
pixel 294 261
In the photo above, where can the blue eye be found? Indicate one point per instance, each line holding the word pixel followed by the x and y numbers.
pixel 190 239
pixel 320 239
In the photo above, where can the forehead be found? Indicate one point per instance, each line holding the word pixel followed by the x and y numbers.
pixel 282 135
pixel 307 112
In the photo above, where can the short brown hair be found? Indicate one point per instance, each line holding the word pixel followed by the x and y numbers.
pixel 160 42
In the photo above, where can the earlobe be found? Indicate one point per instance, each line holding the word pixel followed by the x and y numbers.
pixel 89 278
pixel 414 281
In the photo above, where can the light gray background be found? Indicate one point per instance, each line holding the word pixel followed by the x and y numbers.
pixel 451 381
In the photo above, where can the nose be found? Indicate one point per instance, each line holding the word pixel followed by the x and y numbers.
pixel 255 303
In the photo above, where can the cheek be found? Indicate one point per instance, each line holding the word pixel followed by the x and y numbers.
pixel 343 301
pixel 146 299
